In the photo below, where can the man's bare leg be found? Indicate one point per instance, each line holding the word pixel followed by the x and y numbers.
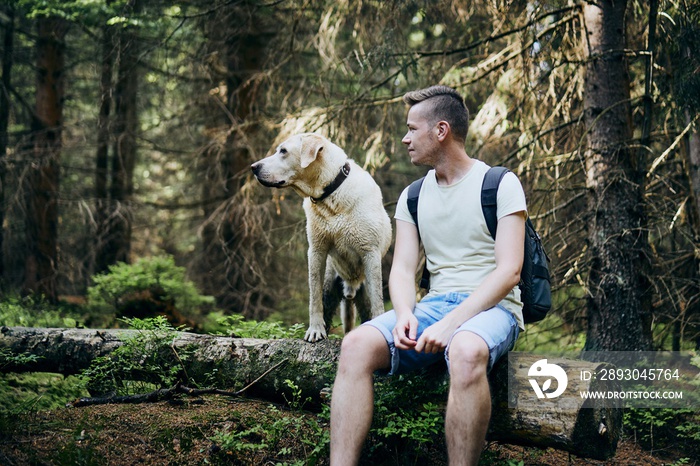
pixel 363 351
pixel 469 402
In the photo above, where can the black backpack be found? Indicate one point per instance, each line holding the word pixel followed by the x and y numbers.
pixel 535 285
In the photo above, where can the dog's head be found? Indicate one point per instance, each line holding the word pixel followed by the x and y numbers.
pixel 291 160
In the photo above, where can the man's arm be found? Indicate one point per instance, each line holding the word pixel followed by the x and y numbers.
pixel 509 251
pixel 402 283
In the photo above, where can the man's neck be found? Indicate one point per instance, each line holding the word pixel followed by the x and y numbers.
pixel 453 169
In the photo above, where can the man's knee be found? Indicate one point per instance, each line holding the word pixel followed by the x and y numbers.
pixel 469 358
pixel 364 348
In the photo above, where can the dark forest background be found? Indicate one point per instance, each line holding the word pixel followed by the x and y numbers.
pixel 127 128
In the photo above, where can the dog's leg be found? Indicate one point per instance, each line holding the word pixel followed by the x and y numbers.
pixel 362 304
pixel 317 269
pixel 332 294
pixel 373 282
pixel 347 314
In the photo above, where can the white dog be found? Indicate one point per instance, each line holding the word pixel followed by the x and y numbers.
pixel 347 228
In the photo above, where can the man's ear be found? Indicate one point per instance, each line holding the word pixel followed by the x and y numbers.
pixel 310 151
pixel 442 130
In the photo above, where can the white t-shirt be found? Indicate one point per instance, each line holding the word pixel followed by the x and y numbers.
pixel 458 246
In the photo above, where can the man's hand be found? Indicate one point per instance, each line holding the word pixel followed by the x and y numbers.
pixel 405 331
pixel 436 337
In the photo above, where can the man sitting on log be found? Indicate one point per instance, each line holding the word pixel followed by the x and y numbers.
pixel 472 314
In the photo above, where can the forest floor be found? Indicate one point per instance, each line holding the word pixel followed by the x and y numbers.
pixel 218 430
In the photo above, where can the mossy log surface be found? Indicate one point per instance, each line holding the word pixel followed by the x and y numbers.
pixel 584 430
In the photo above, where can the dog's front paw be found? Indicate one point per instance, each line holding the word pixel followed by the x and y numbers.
pixel 315 333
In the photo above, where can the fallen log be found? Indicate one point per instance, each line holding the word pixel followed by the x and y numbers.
pixel 582 428
pixel 226 362
pixel 569 423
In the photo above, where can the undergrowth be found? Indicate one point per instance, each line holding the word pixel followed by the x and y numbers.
pixel 408 426
pixel 159 272
pixel 237 326
pixel 33 311
pixel 144 363
pixel 667 429
pixel 281 433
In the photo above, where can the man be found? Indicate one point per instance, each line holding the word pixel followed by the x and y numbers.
pixel 472 314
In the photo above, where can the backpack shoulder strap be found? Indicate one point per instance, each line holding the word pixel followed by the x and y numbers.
pixel 412 199
pixel 489 194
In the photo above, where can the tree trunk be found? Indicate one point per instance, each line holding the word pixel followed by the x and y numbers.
pixel 585 430
pixel 6 58
pixel 43 177
pixel 244 57
pixel 691 151
pixel 649 75
pixel 619 301
pixel 118 236
pixel 102 155
pixel 239 34
pixel 693 162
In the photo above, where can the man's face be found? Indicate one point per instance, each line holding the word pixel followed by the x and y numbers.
pixel 421 138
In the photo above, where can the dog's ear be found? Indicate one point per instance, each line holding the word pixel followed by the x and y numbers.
pixel 310 150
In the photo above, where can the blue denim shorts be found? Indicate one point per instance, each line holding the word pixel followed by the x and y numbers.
pixel 497 326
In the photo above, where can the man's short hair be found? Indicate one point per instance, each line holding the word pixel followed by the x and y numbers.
pixel 444 103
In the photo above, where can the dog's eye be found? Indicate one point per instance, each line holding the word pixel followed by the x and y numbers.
pixel 283 151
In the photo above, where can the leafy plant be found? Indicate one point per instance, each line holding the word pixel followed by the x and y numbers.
pixel 34 311
pixel 651 427
pixel 236 326
pixel 662 428
pixel 296 402
pixel 320 438
pixel 143 363
pixel 281 432
pixel 146 274
pixel 248 439
pixel 409 415
pixel 680 461
pixel 7 357
pixel 420 426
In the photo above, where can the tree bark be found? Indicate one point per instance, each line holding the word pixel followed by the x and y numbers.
pixel 117 238
pixel 43 178
pixel 5 84
pixel 240 35
pixel 585 430
pixel 649 75
pixel 692 153
pixel 619 305
pixel 102 262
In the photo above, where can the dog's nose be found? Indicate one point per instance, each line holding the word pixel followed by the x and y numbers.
pixel 256 168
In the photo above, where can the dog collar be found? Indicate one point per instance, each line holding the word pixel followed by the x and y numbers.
pixel 328 190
